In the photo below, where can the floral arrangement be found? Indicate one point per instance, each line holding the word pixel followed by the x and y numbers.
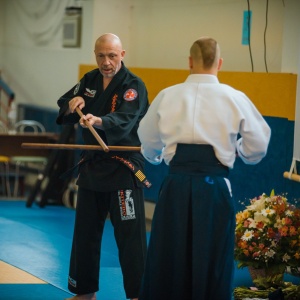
pixel 267 233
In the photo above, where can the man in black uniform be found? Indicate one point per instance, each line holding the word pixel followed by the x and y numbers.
pixel 113 101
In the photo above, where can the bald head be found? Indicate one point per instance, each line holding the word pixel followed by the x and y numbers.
pixel 205 55
pixel 109 38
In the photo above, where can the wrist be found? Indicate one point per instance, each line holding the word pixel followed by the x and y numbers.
pixel 98 123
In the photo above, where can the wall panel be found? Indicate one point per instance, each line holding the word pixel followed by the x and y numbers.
pixel 274 94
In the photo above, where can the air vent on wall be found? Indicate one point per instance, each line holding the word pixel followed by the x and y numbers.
pixel 72 27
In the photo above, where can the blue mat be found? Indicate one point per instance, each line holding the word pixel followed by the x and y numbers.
pixel 38 241
pixel 31 292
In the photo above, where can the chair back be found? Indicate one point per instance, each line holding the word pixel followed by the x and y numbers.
pixel 34 126
pixel 3 128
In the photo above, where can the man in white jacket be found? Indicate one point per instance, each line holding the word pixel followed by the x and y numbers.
pixel 198 128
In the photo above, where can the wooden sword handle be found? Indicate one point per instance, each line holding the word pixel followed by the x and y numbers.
pixel 291 176
pixel 93 131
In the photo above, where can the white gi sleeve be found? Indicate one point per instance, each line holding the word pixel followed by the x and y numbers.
pixel 255 135
pixel 148 132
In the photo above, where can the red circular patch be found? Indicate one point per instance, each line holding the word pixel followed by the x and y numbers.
pixel 130 95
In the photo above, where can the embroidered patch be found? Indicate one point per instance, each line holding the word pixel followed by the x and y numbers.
pixel 130 95
pixel 77 88
pixel 72 282
pixel 126 205
pixel 90 93
pixel 114 103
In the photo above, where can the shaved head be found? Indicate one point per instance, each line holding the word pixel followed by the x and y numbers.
pixel 205 52
pixel 109 38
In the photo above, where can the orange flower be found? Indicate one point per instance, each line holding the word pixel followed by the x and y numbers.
pixel 260 225
pixel 241 216
pixel 256 234
pixel 293 231
pixel 286 221
pixel 280 206
pixel 297 255
pixel 293 243
pixel 297 213
pixel 283 231
pixel 271 233
pixel 242 244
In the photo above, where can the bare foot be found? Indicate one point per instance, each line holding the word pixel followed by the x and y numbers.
pixel 91 296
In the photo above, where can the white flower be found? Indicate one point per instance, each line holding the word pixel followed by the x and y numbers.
pixel 259 217
pixel 268 200
pixel 289 213
pixel 267 211
pixel 270 253
pixel 273 244
pixel 247 235
pixel 285 257
pixel 278 223
pixel 257 205
pixel 252 223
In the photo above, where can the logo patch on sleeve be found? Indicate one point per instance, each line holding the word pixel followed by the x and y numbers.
pixel 90 93
pixel 130 95
pixel 77 88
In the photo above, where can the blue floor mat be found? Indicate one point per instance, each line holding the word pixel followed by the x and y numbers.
pixel 38 241
pixel 31 292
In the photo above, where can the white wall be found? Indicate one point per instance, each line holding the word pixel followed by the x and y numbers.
pixel 163 31
pixel 1 32
pixel 113 16
pixel 155 34
pixel 35 64
pixel 291 38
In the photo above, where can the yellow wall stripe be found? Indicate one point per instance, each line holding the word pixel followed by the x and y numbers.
pixel 274 94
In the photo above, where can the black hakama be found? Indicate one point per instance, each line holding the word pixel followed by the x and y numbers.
pixel 190 254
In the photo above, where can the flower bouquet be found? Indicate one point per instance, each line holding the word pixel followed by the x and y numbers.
pixel 267 240
pixel 267 234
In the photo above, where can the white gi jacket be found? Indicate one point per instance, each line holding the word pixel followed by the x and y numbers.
pixel 203 111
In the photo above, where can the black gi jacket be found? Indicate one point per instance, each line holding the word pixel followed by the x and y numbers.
pixel 120 115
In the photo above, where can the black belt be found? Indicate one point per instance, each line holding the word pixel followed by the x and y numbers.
pixel 131 166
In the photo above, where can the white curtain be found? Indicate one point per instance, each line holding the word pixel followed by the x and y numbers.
pixel 38 22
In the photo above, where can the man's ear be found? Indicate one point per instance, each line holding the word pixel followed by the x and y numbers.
pixel 220 63
pixel 190 62
pixel 122 54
